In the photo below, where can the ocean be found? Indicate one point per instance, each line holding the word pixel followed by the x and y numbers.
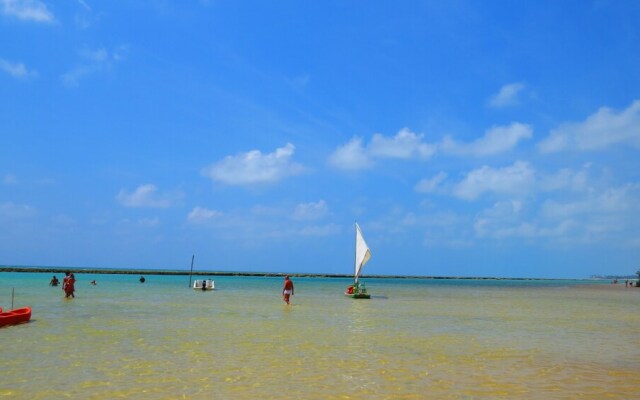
pixel 414 339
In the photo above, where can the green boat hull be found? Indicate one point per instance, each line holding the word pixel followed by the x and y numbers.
pixel 357 291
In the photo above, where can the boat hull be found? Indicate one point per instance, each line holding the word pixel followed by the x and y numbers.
pixel 358 295
pixel 15 317
pixel 357 291
pixel 207 283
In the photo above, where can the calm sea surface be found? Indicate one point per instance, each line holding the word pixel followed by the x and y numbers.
pixel 415 339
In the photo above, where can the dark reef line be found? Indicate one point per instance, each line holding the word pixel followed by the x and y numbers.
pixel 232 273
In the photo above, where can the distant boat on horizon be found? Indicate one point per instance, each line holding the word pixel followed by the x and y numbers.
pixel 362 255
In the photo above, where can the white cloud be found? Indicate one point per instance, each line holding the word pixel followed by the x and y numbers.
pixel 610 201
pixel 310 211
pixel 430 185
pixel 501 213
pixel 515 180
pixel 566 179
pixel 254 167
pixel 149 222
pixel 201 215
pixel 63 219
pixel 633 242
pixel 94 61
pixel 600 130
pixel 144 196
pixel 11 210
pixel 16 70
pixel 609 215
pixel 355 155
pixel 522 230
pixel 505 220
pixel 404 145
pixel 324 230
pixel 27 10
pixel 84 16
pixel 351 156
pixel 507 96
pixel 593 217
pixel 498 139
pixel 298 82
pixel 97 55
pixel 84 5
pixel 9 179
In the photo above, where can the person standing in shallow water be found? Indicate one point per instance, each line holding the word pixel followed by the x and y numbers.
pixel 68 285
pixel 287 289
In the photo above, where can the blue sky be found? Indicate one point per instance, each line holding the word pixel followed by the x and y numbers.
pixel 466 138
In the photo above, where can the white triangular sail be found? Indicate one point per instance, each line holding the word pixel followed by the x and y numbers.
pixel 363 254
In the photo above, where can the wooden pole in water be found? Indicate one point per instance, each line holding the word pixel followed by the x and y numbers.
pixel 12 291
pixel 191 272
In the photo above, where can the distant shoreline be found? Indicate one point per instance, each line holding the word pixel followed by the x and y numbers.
pixel 236 273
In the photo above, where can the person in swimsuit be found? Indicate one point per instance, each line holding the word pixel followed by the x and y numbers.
pixel 71 286
pixel 68 285
pixel 287 289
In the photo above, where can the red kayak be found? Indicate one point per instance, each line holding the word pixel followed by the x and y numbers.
pixel 17 316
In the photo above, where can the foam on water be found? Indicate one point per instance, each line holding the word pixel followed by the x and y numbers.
pixel 413 339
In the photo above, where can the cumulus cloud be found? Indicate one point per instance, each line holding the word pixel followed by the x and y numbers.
pixel 520 230
pixel 9 179
pixel 16 70
pixel 93 61
pixel 498 139
pixel 311 211
pixel 599 213
pixel 144 196
pixel 566 179
pixel 591 217
pixel 507 96
pixel 84 16
pixel 12 210
pixel 612 200
pixel 505 220
pixel 323 230
pixel 200 215
pixel 350 156
pixel 149 222
pixel 27 10
pixel 514 180
pixel 404 145
pixel 502 214
pixel 63 220
pixel 430 185
pixel 600 130
pixel 254 167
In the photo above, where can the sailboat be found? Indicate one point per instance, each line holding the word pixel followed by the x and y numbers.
pixel 363 254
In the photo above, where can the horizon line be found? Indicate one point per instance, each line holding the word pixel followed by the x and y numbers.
pixel 156 271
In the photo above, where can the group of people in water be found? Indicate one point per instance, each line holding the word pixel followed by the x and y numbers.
pixel 69 281
pixel 68 284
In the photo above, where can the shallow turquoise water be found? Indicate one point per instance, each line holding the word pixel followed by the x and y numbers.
pixel 413 339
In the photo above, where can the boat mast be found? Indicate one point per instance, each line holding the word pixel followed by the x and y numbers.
pixel 355 256
pixel 191 272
